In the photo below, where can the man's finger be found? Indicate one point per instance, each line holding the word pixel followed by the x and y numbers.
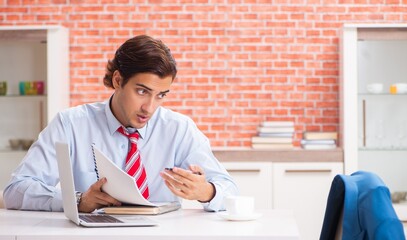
pixel 175 190
pixel 182 172
pixel 196 169
pixel 98 185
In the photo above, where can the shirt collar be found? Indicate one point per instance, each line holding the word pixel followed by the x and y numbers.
pixel 114 124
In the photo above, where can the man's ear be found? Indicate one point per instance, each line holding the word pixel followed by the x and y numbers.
pixel 117 79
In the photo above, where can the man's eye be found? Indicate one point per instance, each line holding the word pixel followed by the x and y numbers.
pixel 141 91
pixel 162 95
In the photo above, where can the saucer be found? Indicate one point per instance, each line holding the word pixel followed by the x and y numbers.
pixel 249 217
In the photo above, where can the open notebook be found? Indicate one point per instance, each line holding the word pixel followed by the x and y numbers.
pixel 69 199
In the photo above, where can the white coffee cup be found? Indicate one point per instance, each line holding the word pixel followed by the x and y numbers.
pixel 239 205
pixel 375 88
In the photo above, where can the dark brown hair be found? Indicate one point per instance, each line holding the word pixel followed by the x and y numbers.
pixel 141 54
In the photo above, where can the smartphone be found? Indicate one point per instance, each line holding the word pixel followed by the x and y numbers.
pixel 198 173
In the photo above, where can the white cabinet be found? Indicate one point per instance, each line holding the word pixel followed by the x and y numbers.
pixel 374 125
pixel 252 178
pixel 30 53
pixel 304 188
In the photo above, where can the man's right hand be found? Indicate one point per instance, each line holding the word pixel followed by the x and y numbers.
pixel 94 198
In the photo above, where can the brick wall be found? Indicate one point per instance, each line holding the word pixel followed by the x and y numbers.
pixel 240 61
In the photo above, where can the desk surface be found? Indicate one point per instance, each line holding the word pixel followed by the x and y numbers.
pixel 181 224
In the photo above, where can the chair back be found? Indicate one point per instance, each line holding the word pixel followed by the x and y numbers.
pixel 364 203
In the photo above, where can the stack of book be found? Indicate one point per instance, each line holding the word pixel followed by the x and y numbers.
pixel 274 135
pixel 319 140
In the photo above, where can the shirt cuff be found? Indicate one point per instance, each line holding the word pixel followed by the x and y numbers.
pixel 216 204
pixel 56 204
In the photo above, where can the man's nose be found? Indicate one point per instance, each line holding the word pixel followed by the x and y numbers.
pixel 148 105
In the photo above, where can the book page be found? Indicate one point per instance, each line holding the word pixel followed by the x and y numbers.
pixel 119 184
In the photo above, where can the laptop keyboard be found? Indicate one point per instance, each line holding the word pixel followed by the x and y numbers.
pixel 98 218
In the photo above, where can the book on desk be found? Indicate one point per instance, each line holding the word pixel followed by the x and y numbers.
pixel 142 210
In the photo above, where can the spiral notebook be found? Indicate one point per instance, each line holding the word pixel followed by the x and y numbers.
pixel 122 187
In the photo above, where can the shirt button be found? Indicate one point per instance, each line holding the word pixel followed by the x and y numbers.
pixel 123 146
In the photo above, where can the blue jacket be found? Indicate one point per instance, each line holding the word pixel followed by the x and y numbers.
pixel 368 213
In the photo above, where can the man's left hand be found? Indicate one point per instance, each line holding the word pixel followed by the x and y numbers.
pixel 189 184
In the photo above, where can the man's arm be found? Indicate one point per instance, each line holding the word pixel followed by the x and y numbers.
pixel 33 185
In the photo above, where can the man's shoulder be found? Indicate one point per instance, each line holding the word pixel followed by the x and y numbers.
pixel 168 115
pixel 84 110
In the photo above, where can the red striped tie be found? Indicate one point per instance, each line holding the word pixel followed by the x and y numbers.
pixel 134 166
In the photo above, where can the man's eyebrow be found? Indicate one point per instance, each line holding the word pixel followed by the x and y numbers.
pixel 144 86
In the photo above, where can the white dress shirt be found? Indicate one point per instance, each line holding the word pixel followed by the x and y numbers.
pixel 169 139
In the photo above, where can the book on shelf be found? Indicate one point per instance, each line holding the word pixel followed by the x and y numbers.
pixel 277 124
pixel 318 146
pixel 279 135
pixel 275 129
pixel 317 141
pixel 320 135
pixel 272 145
pixel 258 139
pixel 160 208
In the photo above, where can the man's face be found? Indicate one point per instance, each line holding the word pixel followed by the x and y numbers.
pixel 134 103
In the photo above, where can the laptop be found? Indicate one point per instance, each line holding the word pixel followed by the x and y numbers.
pixel 69 199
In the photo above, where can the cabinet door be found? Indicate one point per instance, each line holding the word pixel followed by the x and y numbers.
pixel 304 188
pixel 252 179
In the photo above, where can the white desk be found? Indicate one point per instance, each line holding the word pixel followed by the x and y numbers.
pixel 178 225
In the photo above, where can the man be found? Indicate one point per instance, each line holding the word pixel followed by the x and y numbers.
pixel 141 74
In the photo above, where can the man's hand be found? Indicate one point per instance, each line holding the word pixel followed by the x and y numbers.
pixel 189 184
pixel 94 198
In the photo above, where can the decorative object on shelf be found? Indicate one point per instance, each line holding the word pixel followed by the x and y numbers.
pixel 14 143
pixel 3 88
pixel 26 143
pixel 374 88
pixel 39 86
pixel 274 135
pixel 21 86
pixel 398 88
pixel 17 144
pixel 31 88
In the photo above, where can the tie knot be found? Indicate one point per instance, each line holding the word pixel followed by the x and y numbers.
pixel 124 131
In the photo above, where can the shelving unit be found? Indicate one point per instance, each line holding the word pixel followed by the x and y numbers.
pixel 30 53
pixel 374 126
